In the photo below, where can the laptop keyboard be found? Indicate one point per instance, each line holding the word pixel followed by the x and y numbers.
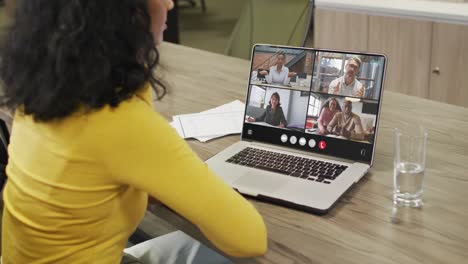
pixel 307 169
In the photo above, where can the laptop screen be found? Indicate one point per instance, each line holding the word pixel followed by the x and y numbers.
pixel 315 100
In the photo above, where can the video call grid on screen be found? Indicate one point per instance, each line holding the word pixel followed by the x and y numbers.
pixel 323 93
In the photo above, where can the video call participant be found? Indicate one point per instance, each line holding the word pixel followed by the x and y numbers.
pixel 273 114
pixel 346 123
pixel 279 73
pixel 348 84
pixel 329 109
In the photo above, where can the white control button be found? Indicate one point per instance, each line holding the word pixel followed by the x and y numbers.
pixel 293 140
pixel 284 138
pixel 312 143
pixel 302 141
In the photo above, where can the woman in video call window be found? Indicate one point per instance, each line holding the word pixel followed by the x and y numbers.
pixel 273 114
pixel 279 73
pixel 329 109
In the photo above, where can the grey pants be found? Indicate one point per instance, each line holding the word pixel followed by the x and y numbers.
pixel 173 248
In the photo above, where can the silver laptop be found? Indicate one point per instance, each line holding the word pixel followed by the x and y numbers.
pixel 310 126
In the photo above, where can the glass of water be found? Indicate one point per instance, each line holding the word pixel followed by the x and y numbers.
pixel 409 159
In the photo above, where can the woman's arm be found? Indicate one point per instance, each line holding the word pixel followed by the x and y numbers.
pixel 286 77
pixel 332 123
pixel 269 77
pixel 282 118
pixel 321 127
pixel 142 150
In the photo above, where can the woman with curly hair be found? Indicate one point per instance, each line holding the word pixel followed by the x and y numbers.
pixel 328 111
pixel 87 148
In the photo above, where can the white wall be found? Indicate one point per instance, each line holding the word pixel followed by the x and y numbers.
pixel 256 95
pixel 367 120
pixel 298 108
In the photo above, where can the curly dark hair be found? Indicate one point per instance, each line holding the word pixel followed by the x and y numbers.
pixel 63 54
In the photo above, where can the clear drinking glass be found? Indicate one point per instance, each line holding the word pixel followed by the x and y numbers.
pixel 409 166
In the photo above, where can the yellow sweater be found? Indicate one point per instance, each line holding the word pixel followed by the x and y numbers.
pixel 77 188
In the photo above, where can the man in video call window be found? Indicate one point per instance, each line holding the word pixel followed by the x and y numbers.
pixel 346 123
pixel 348 84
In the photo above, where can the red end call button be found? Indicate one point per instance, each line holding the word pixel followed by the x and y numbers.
pixel 322 145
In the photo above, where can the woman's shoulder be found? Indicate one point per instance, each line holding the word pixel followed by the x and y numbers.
pixel 131 113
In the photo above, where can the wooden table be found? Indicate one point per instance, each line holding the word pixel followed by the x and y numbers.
pixel 363 227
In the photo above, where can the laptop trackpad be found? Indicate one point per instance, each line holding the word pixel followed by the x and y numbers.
pixel 260 184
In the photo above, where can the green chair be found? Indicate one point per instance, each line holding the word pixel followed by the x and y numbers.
pixel 270 21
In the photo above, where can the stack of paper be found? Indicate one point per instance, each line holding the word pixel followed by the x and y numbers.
pixel 217 122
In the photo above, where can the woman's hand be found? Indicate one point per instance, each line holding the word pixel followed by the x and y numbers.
pixel 281 125
pixel 263 72
pixel 250 119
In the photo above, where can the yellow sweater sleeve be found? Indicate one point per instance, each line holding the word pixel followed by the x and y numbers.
pixel 142 150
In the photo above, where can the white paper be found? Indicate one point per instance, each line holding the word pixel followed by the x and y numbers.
pixel 216 122
pixel 211 124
